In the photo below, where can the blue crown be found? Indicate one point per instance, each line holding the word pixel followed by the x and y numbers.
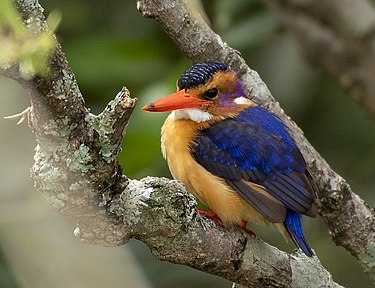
pixel 199 73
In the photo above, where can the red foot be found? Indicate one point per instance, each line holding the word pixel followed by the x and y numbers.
pixel 212 215
pixel 247 230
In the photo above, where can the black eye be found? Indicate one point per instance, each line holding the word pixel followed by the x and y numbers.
pixel 210 93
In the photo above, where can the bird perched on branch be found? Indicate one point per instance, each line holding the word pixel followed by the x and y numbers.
pixel 234 156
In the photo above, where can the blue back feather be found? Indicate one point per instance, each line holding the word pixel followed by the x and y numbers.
pixel 258 142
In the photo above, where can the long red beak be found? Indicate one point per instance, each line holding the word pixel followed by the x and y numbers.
pixel 178 100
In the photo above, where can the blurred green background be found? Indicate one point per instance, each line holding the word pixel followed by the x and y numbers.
pixel 110 45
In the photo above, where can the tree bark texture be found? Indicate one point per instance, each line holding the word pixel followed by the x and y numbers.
pixel 76 168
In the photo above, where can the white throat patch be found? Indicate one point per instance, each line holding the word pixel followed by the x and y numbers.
pixel 193 114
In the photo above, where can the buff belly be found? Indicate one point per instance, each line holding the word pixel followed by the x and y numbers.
pixel 208 188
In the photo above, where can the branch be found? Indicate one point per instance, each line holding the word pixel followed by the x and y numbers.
pixel 76 168
pixel 76 155
pixel 340 42
pixel 169 225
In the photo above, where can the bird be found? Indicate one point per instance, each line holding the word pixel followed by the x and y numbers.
pixel 236 157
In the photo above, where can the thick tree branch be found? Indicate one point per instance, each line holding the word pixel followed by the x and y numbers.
pixel 76 167
pixel 76 155
pixel 169 225
pixel 339 36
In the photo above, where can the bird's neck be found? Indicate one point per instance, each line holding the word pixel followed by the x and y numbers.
pixel 177 134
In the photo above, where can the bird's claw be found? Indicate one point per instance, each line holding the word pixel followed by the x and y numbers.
pixel 247 230
pixel 21 116
pixel 212 215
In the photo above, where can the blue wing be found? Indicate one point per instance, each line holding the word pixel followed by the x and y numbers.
pixel 255 147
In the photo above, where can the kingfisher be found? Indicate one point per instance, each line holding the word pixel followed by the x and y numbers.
pixel 233 155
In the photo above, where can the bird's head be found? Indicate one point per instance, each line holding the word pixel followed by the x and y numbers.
pixel 204 91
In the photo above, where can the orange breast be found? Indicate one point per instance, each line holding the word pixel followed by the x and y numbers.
pixel 176 139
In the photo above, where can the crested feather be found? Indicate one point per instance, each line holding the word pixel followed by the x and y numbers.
pixel 199 73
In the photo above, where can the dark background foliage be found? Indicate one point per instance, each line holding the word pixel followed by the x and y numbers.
pixel 110 45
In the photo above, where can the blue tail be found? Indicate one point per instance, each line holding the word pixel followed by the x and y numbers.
pixel 293 225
